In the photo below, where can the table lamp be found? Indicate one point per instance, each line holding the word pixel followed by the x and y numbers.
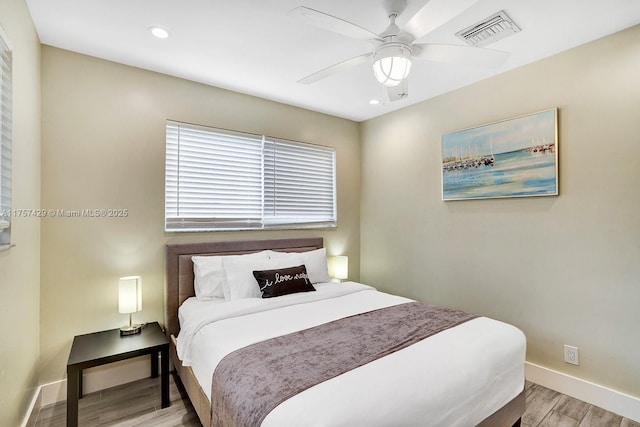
pixel 130 301
pixel 341 267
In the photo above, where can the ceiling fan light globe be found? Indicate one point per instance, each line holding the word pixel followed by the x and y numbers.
pixel 391 71
pixel 392 65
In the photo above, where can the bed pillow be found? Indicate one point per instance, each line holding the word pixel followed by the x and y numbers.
pixel 209 276
pixel 314 261
pixel 240 282
pixel 283 281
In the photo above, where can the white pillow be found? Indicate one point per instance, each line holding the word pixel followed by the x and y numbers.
pixel 241 283
pixel 209 276
pixel 314 261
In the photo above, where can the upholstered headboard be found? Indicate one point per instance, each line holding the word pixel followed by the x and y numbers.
pixel 179 267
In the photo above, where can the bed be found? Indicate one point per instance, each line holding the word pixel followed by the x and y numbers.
pixel 469 374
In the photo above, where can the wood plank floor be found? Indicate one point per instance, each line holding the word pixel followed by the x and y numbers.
pixel 548 408
pixel 138 404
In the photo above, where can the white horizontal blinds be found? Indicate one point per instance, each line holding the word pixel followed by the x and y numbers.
pixel 5 138
pixel 224 180
pixel 213 179
pixel 299 184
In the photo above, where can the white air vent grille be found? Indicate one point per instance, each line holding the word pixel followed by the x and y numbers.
pixel 489 30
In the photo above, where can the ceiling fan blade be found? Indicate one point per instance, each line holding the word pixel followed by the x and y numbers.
pixel 396 93
pixel 458 54
pixel 336 68
pixel 434 14
pixel 331 23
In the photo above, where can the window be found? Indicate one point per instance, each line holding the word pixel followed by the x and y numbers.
pixel 5 140
pixel 225 180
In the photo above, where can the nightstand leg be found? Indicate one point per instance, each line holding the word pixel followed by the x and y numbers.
pixel 164 380
pixel 80 391
pixel 73 376
pixel 154 364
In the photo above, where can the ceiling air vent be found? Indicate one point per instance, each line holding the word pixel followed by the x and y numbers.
pixel 489 30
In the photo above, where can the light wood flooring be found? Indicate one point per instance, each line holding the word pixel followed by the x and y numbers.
pixel 138 404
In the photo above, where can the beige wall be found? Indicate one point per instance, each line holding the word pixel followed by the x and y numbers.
pixel 20 266
pixel 564 269
pixel 103 147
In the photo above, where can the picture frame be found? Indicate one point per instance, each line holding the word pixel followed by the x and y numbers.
pixel 516 157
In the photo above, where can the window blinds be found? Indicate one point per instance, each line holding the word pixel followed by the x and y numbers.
pixel 298 184
pixel 224 180
pixel 6 118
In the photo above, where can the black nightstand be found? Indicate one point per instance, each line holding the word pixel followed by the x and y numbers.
pixel 104 347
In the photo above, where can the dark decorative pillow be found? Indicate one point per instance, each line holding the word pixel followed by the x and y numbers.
pixel 283 281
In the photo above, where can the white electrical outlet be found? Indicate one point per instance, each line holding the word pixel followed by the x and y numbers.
pixel 571 354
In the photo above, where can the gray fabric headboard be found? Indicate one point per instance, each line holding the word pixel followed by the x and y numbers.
pixel 179 267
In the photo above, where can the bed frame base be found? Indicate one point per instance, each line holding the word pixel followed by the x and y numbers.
pixel 509 415
pixel 198 398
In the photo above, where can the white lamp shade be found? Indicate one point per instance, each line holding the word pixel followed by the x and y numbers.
pixel 392 64
pixel 130 294
pixel 341 267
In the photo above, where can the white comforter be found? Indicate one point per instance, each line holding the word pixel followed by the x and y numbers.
pixel 455 378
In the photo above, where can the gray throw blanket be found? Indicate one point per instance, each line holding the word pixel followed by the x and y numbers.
pixel 250 382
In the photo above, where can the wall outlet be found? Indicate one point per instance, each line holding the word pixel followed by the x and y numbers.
pixel 571 354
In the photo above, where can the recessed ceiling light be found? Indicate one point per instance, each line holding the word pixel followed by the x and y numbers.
pixel 374 102
pixel 159 32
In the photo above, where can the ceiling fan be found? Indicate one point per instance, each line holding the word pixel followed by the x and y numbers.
pixel 395 49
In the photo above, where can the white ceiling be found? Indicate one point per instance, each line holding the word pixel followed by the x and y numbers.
pixel 255 47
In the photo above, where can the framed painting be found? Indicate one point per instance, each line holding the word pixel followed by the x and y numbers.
pixel 516 157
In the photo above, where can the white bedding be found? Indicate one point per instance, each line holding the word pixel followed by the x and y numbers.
pixel 455 378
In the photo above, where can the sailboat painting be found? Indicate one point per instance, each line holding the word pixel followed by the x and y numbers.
pixel 516 157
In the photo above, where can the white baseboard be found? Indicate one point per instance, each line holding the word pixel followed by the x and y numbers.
pixel 99 378
pixel 29 419
pixel 612 400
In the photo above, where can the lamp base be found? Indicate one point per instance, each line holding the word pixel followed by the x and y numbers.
pixel 130 330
